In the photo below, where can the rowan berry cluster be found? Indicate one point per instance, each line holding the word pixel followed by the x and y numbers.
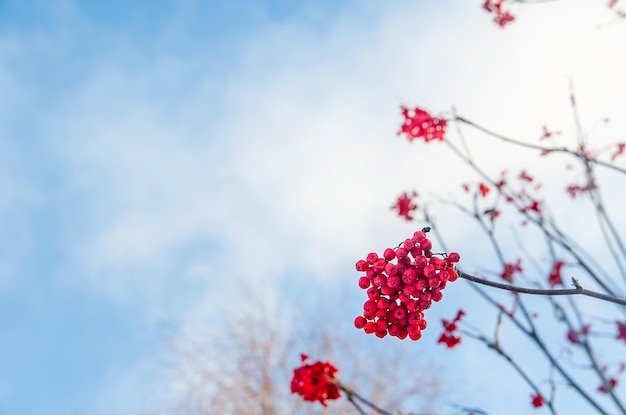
pixel 315 382
pixel 401 285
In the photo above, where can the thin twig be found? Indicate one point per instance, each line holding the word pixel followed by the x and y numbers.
pixel 537 291
pixel 580 155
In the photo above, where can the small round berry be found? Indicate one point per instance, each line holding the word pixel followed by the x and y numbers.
pixel 421 261
pixel 373 293
pixel 370 306
pixel 382 302
pixel 409 276
pixel 381 334
pixel 391 269
pixel 413 319
pixel 412 306
pixel 437 296
pixel 394 330
pixel 389 254
pixel 379 265
pixel 371 257
pixel 408 244
pixel 381 325
pixel 418 237
pixel 379 280
pixel 400 313
pixel 422 324
pixel 454 257
pixel 370 327
pixel 381 313
pixel 360 322
pixel 409 290
pixel 429 271
pixel 404 297
pixel 364 283
pixel 421 284
pixel 386 290
pixel 394 282
pixel 437 262
pixel 424 305
pixel 402 255
pixel 433 282
pixel 415 335
pixel 362 265
pixel 426 245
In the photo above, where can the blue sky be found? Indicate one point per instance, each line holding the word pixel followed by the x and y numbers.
pixel 155 154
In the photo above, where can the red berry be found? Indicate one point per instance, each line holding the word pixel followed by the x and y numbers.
pixel 409 276
pixel 408 244
pixel 413 319
pixel 454 257
pixel 389 254
pixel 370 306
pixel 362 265
pixel 364 282
pixel 437 296
pixel 394 282
pixel 394 330
pixel 391 269
pixel 402 255
pixel 373 293
pixel 429 271
pixel 452 275
pixel 422 324
pixel 437 262
pixel 386 290
pixel 371 257
pixel 379 265
pixel 433 282
pixel 414 333
pixel 379 280
pixel 382 302
pixel 381 325
pixel 400 313
pixel 416 251
pixel 418 237
pixel 360 322
pixel 426 245
pixel 409 290
pixel 370 327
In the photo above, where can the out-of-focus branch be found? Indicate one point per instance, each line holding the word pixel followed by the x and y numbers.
pixel 579 155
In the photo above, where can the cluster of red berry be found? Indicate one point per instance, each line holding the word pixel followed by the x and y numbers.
pixel 315 382
pixel 420 124
pixel 398 293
